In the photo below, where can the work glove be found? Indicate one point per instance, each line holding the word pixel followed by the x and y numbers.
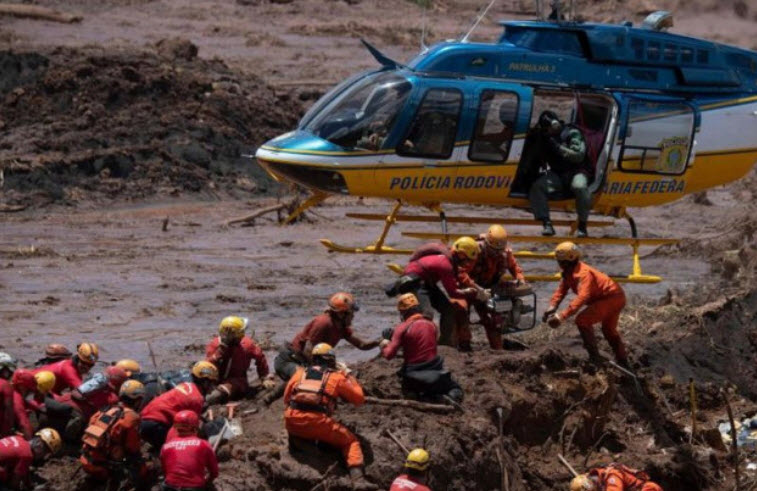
pixel 483 295
pixel 554 321
pixel 383 343
pixel 342 367
pixel 469 292
pixel 269 382
pixel 548 313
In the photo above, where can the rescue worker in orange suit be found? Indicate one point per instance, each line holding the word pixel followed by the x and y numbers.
pixel 29 391
pixel 8 421
pixel 422 372
pixel 330 327
pixel 494 260
pixel 189 462
pixel 54 352
pixel 111 442
pixel 69 372
pixel 434 265
pixel 158 415
pixel 614 477
pixel 232 353
pixel 601 298
pixel 311 397
pixel 17 455
pixel 416 472
pixel 70 412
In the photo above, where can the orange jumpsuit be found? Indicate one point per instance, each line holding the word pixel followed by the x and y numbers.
pixel 603 299
pixel 487 272
pixel 311 396
pixel 122 441
pixel 620 478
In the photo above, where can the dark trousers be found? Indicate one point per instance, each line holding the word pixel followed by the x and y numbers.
pixel 154 433
pixel 432 298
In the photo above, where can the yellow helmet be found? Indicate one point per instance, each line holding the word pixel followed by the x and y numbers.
pixel 582 483
pixel 205 369
pixel 233 327
pixel 407 301
pixel 467 246
pixel 88 353
pixel 131 389
pixel 45 381
pixel 418 459
pixel 323 349
pixel 51 439
pixel 496 237
pixel 129 366
pixel 567 251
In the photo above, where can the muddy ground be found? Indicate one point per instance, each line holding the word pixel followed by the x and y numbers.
pixel 121 146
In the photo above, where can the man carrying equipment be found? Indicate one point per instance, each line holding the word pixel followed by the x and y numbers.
pixel 232 353
pixel 603 298
pixel 415 476
pixel 311 397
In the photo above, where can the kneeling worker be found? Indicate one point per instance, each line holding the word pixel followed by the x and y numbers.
pixel 416 472
pixel 603 298
pixel 423 371
pixel 614 477
pixel 18 454
pixel 311 396
pixel 189 462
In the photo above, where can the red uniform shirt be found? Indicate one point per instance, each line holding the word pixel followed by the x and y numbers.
pixel 66 374
pixel 15 457
pixel 405 482
pixel 91 403
pixel 433 269
pixel 21 410
pixel 417 338
pixel 6 404
pixel 163 408
pixel 186 460
pixel 588 284
pixel 234 361
pixel 320 330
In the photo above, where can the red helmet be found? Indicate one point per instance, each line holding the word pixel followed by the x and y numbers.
pixel 24 378
pixel 186 422
pixel 116 376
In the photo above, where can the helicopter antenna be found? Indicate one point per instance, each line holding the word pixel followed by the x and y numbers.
pixel 539 14
pixel 424 48
pixel 572 10
pixel 475 24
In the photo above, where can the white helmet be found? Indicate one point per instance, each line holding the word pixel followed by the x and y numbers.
pixel 7 361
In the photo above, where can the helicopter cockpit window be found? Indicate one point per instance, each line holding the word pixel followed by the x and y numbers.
pixel 434 127
pixel 363 116
pixel 658 138
pixel 494 126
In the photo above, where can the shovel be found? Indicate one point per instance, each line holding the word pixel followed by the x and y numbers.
pixel 235 424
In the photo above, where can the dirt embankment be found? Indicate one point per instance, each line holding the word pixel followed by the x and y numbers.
pixel 104 123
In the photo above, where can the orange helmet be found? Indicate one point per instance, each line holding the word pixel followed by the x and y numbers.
pixel 88 353
pixel 407 301
pixel 496 237
pixel 57 351
pixel 343 302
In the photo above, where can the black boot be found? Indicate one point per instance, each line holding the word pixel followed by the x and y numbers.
pixel 548 229
pixel 582 231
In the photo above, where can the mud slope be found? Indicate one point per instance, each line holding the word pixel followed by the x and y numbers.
pixel 105 123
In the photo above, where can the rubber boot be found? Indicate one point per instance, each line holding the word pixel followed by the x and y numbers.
pixel 582 230
pixel 590 343
pixel 548 229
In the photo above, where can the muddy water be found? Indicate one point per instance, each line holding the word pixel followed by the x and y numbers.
pixel 112 276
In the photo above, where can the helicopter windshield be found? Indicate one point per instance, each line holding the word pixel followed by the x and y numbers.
pixel 364 115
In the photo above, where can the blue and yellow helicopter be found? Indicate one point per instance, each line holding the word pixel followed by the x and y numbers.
pixel 663 116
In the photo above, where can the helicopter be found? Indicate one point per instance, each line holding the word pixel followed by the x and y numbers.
pixel 663 116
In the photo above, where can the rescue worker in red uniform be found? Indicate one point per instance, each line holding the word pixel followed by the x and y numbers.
pixel 70 412
pixel 416 472
pixel 18 454
pixel 433 265
pixel 311 397
pixel 330 327
pixel 111 443
pixel 494 260
pixel 189 462
pixel 8 421
pixel 232 353
pixel 158 415
pixel 69 372
pixel 29 390
pixel 602 298
pixel 54 352
pixel 422 372
pixel 614 477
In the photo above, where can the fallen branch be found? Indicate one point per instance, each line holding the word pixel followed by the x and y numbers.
pixel 397 441
pixel 38 12
pixel 12 208
pixel 420 406
pixel 257 214
pixel 734 441
pixel 567 465
pixel 325 476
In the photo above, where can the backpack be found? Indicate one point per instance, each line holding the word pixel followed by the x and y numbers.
pixel 310 392
pixel 97 434
pixel 431 249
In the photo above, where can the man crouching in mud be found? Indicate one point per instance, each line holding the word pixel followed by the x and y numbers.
pixel 423 374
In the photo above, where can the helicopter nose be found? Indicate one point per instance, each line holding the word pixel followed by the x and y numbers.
pixel 304 174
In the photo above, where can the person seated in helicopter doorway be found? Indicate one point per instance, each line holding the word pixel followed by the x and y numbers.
pixel 564 165
pixel 374 135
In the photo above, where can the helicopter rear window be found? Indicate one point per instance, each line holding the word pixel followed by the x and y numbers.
pixel 434 127
pixel 548 40
pixel 363 116
pixel 494 126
